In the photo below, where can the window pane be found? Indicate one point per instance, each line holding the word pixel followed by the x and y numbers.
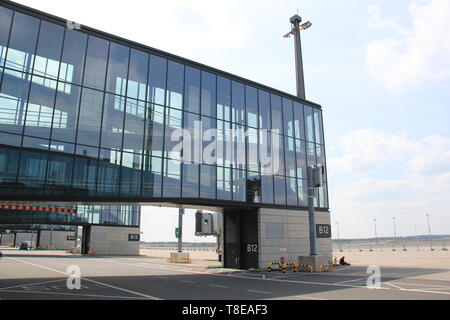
pixel 32 169
pixel 175 85
pixel 191 180
pixel 253 187
pixel 74 50
pixel 299 121
pixel 108 173
pixel 208 182
pixel 223 183
pixel 302 192
pixel 239 184
pixel 39 116
pixel 288 118
pixel 130 181
pixel 208 94
pixel 172 179
pixel 280 190
pixel 13 101
pixel 238 103
pixel 90 117
pixel 224 144
pixel 112 126
pixel 154 138
pixel 49 48
pixel 300 147
pixel 152 177
pixel 264 110
pixel 289 152
pixel 117 69
pixel 209 140
pixel 66 114
pixel 157 80
pixel 192 90
pixel 22 43
pixel 134 126
pixel 85 170
pixel 277 113
pixel 173 122
pixel 318 125
pixel 191 144
pixel 96 60
pixel 278 154
pixel 59 177
pixel 311 154
pixel 5 25
pixel 223 99
pixel 9 161
pixel 252 106
pixel 137 78
pixel 267 189
pixel 291 191
pixel 252 150
pixel 309 123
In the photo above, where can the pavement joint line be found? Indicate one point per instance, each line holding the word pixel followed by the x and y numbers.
pixel 354 280
pixel 424 284
pixel 32 284
pixel 89 280
pixel 188 281
pixel 71 294
pixel 256 291
pixel 309 298
pixel 218 286
pixel 302 282
pixel 395 286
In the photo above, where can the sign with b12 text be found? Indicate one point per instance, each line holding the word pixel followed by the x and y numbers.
pixel 323 231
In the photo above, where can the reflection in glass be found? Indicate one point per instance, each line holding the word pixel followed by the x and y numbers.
pixel 190 180
pixel 208 94
pixel 175 85
pixel 172 178
pixel 96 60
pixel 5 25
pixel 152 177
pixel 251 96
pixel 223 99
pixel 73 58
pixel 192 90
pixel 280 190
pixel 223 183
pixel 116 81
pixel 277 113
pixel 137 77
pixel 22 43
pixel 157 80
pixel 238 103
pixel 207 182
pixel 113 118
pixel 48 53
pixel 66 114
pixel 90 118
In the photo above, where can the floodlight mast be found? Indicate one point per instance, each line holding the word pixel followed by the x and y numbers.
pixel 296 28
pixel 312 171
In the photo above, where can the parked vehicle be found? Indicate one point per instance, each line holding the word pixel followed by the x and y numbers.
pixel 24 246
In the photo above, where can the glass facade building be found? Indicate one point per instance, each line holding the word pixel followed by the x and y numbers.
pixel 86 116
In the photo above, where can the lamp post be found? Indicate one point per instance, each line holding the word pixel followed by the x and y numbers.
pixel 429 232
pixel 180 226
pixel 296 28
pixel 311 170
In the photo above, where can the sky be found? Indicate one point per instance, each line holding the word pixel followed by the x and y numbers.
pixel 380 70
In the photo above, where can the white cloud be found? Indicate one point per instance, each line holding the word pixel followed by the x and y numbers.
pixel 366 149
pixel 423 186
pixel 417 55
